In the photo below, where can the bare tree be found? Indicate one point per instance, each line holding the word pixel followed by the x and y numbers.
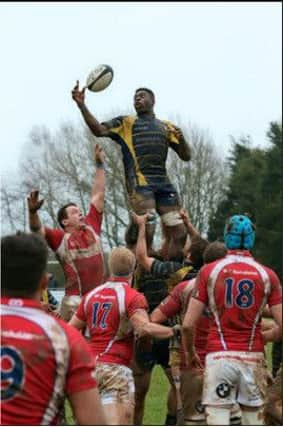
pixel 201 182
pixel 61 165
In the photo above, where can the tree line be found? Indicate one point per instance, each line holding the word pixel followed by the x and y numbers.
pixel 211 187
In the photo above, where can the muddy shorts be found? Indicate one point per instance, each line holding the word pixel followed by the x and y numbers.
pixel 232 376
pixel 115 384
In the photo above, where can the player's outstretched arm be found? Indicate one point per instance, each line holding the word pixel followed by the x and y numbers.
pixel 34 204
pixel 87 408
pixel 99 184
pixel 79 97
pixel 144 327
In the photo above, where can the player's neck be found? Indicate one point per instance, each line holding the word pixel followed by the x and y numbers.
pixel 146 115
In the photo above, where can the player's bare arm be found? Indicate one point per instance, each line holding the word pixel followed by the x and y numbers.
pixel 193 313
pixel 276 312
pixel 99 184
pixel 79 97
pixel 34 204
pixel 192 231
pixel 182 149
pixel 76 322
pixel 157 316
pixel 141 248
pixel 144 327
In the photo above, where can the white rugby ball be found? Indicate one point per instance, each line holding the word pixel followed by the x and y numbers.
pixel 99 78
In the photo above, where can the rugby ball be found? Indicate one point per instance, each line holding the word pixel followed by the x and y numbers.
pixel 99 78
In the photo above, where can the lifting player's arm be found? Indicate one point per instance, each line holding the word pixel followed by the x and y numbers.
pixel 98 188
pixel 79 97
pixel 141 249
pixel 192 231
pixel 191 318
pixel 34 204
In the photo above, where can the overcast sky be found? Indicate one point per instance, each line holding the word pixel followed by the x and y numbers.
pixel 216 65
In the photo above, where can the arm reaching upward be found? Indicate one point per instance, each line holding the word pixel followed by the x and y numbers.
pixel 141 249
pixel 98 188
pixel 34 204
pixel 79 97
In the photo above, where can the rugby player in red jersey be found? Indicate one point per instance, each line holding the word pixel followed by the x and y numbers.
pixel 174 304
pixel 236 289
pixel 77 245
pixel 112 312
pixel 42 358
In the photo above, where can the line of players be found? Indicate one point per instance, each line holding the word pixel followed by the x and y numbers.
pixel 231 298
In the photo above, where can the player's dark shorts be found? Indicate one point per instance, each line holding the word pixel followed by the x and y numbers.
pixel 163 194
pixel 158 355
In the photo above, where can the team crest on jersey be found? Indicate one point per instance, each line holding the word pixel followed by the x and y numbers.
pixel 223 390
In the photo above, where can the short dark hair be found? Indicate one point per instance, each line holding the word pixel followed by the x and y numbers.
pixel 146 90
pixel 215 250
pixel 62 213
pixel 23 262
pixel 197 248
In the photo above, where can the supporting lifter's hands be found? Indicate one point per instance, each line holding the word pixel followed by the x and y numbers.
pixel 139 219
pixel 34 204
pixel 78 95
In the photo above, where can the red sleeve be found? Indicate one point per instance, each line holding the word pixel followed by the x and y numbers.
pixel 80 313
pixel 135 301
pixel 171 305
pixel 275 296
pixel 94 219
pixel 53 237
pixel 80 375
pixel 200 291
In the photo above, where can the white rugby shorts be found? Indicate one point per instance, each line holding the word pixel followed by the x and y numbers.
pixel 234 376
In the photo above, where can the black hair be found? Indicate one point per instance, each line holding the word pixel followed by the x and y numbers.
pixel 23 262
pixel 62 213
pixel 146 90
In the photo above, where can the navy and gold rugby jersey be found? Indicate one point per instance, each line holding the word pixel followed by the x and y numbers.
pixel 144 143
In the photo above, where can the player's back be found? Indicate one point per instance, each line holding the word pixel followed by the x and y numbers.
pixel 238 288
pixel 107 310
pixel 34 360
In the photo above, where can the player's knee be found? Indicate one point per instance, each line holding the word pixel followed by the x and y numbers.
pixel 216 415
pixel 252 416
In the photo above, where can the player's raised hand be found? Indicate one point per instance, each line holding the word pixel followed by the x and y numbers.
pixel 33 201
pixel 185 216
pixel 139 219
pixel 99 155
pixel 78 95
